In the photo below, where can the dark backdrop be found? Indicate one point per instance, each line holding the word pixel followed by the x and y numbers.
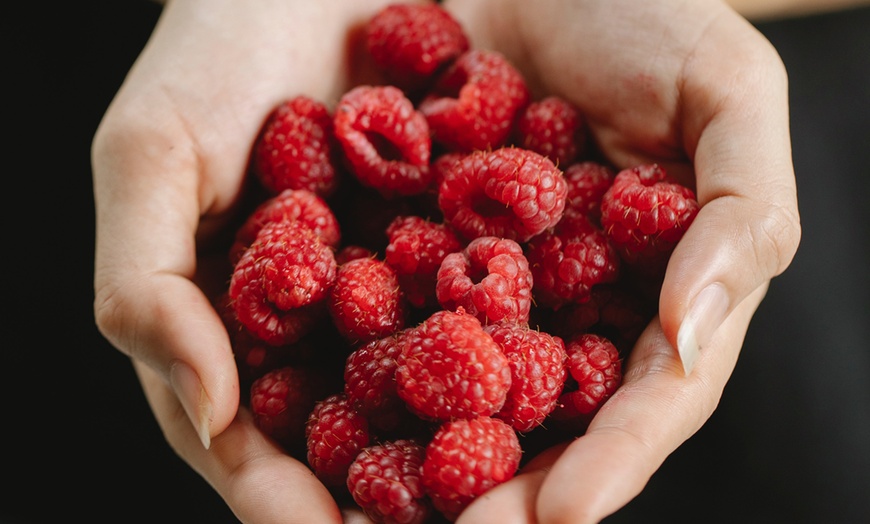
pixel 790 441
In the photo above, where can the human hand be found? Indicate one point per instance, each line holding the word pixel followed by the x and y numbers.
pixel 168 164
pixel 693 87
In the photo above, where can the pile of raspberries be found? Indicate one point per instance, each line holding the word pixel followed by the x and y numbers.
pixel 438 276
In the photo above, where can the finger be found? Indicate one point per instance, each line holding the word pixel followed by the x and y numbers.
pixel 654 411
pixel 748 228
pixel 513 502
pixel 259 481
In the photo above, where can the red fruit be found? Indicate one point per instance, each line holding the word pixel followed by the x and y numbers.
pixel 509 192
pixel 645 214
pixel 370 381
pixel 416 249
pixel 384 480
pixel 411 43
pixel 552 127
pixel 282 399
pixel 595 369
pixel 350 252
pixel 335 434
pixel 295 148
pixel 490 279
pixel 293 205
pixel 451 368
pixel 465 459
pixel 366 302
pixel 385 140
pixel 537 362
pixel 587 183
pixel 280 283
pixel 474 103
pixel 569 260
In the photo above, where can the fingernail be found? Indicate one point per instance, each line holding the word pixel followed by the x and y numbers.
pixel 705 315
pixel 189 390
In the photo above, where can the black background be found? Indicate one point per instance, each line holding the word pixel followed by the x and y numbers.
pixel 790 441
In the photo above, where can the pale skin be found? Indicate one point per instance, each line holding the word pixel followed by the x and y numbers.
pixel 688 84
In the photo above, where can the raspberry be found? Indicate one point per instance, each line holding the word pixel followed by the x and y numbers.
pixel 385 140
pixel 474 103
pixel 335 433
pixel 412 43
pixel 281 400
pixel 587 183
pixel 280 283
pixel 416 249
pixel 370 381
pixel 366 302
pixel 350 252
pixel 552 127
pixel 567 261
pixel 295 148
pixel 489 279
pixel 384 480
pixel 509 192
pixel 595 372
pixel 645 213
pixel 537 363
pixel 451 368
pixel 465 459
pixel 292 205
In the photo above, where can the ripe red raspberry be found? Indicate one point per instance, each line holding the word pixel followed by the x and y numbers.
pixel 292 205
pixel 552 127
pixel 509 192
pixel 416 249
pixel 280 283
pixel 474 103
pixel 595 371
pixel 465 459
pixel 366 302
pixel 490 279
pixel 384 480
pixel 587 183
pixel 282 399
pixel 645 214
pixel 335 433
pixel 537 362
pixel 370 381
pixel 411 43
pixel 295 148
pixel 569 260
pixel 385 140
pixel 451 368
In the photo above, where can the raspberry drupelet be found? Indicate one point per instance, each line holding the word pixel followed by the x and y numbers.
pixel 296 148
pixel 473 104
pixel 508 192
pixel 451 368
pixel 490 279
pixel 279 285
pixel 587 183
pixel 385 140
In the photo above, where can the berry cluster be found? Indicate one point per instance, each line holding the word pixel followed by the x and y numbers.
pixel 435 268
